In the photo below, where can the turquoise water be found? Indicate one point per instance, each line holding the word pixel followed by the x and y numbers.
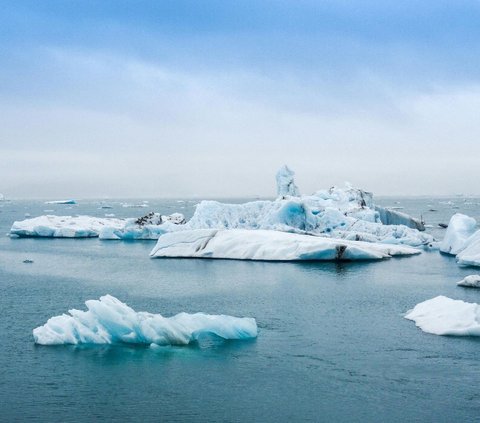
pixel 332 344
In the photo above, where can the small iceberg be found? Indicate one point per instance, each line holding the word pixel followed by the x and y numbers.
pixel 61 202
pixel 471 281
pixel 462 239
pixel 109 321
pixel 243 244
pixel 444 316
pixel 50 226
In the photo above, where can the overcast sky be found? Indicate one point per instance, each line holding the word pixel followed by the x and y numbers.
pixel 209 98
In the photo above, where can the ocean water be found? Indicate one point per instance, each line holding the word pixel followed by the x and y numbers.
pixel 333 344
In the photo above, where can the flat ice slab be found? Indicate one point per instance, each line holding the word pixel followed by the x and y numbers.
pixel 64 226
pixel 109 321
pixel 61 202
pixel 471 281
pixel 444 316
pixel 243 244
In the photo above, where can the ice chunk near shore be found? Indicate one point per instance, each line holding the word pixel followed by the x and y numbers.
pixel 109 321
pixel 444 316
pixel 471 281
pixel 242 244
pixel 285 183
pixel 460 228
pixel 61 202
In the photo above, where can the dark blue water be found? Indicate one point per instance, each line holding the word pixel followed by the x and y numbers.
pixel 332 344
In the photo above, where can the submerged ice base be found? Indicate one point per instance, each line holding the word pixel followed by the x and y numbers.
pixel 243 244
pixel 444 316
pixel 109 321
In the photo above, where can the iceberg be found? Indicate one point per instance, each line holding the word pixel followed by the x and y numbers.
pixel 285 183
pixel 471 281
pixel 61 202
pixel 462 240
pixel 444 316
pixel 460 228
pixel 244 244
pixel 391 216
pixel 89 227
pixel 109 321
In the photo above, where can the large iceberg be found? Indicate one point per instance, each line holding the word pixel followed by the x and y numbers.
pixel 244 244
pixel 444 316
pixel 462 240
pixel 339 213
pixel 109 321
pixel 147 227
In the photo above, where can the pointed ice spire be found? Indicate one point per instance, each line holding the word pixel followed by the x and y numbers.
pixel 285 183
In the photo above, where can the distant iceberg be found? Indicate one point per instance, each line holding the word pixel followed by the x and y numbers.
pixel 61 202
pixel 285 183
pixel 444 316
pixel 109 321
pixel 244 244
pixel 89 227
pixel 462 239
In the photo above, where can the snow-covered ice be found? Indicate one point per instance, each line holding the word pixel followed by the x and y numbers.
pixel 109 321
pixel 444 316
pixel 63 226
pixel 471 281
pixel 463 240
pixel 286 183
pixel 88 227
pixel 243 244
pixel 460 228
pixel 61 202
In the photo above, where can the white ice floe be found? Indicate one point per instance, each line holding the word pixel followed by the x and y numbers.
pixel 444 316
pixel 471 281
pixel 460 228
pixel 463 240
pixel 61 202
pixel 89 227
pixel 243 244
pixel 109 321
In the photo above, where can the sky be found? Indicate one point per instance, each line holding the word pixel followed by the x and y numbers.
pixel 209 98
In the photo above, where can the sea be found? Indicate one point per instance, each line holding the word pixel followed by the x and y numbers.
pixel 333 344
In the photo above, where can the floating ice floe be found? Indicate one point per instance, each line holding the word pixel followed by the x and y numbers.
pixel 471 281
pixel 244 244
pixel 462 240
pixel 444 316
pixel 109 321
pixel 148 227
pixel 61 202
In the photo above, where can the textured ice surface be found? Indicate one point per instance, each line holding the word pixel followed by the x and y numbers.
pixel 460 228
pixel 243 244
pixel 88 226
pixel 444 316
pixel 462 240
pixel 285 183
pixel 109 321
pixel 471 281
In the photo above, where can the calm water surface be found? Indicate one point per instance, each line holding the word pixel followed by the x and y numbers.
pixel 332 344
